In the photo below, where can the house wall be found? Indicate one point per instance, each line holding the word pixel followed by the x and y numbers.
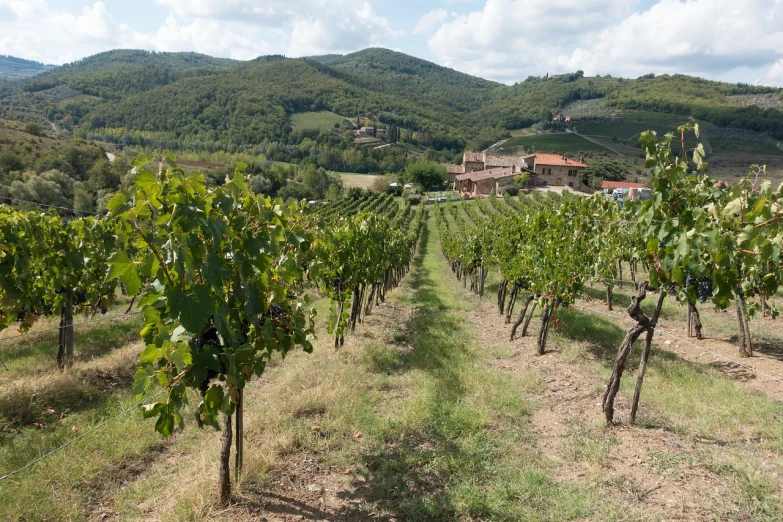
pixel 485 187
pixel 545 178
pixel 473 166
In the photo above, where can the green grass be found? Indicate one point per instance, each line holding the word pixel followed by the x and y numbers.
pixel 694 401
pixel 321 120
pixel 459 447
pixel 554 143
pixel 35 353
pixel 353 179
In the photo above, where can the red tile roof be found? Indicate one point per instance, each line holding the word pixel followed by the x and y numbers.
pixel 620 185
pixel 557 160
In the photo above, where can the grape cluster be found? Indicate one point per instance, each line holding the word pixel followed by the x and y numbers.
pixel 208 338
pixel 337 284
pixel 276 312
pixel 689 281
pixel 705 289
pixel 672 288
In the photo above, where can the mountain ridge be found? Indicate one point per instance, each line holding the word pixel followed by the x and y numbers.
pixel 201 99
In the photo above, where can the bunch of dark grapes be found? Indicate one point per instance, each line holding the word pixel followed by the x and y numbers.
pixel 705 289
pixel 276 312
pixel 690 281
pixel 337 284
pixel 278 315
pixel 672 288
pixel 208 338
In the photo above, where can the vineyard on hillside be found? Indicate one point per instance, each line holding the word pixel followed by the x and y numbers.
pixel 695 240
pixel 569 144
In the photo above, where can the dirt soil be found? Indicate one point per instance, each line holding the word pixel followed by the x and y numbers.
pixel 572 401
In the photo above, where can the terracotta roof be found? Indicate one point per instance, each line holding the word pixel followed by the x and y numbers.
pixel 557 160
pixel 488 174
pixel 455 169
pixel 507 161
pixel 620 185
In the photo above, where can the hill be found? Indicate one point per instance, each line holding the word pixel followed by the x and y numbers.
pixel 194 101
pixel 12 67
pixel 527 102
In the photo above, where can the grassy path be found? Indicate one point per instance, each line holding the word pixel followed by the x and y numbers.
pixel 409 421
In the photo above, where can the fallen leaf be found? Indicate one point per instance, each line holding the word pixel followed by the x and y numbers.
pixel 358 434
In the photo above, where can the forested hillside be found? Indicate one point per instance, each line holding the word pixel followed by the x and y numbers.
pixel 187 101
pixel 12 67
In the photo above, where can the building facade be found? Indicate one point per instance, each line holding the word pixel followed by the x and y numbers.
pixel 557 170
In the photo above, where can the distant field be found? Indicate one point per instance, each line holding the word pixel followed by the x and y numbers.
pixel 522 132
pixel 352 179
pixel 560 143
pixel 588 108
pixel 762 100
pixel 322 120
pixel 628 125
pixel 731 140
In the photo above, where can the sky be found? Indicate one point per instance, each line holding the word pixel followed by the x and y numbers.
pixel 501 40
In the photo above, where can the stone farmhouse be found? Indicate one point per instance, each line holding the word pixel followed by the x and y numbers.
pixel 482 174
pixel 369 131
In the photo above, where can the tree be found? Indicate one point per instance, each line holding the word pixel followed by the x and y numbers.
pixel 334 193
pixel 382 184
pixel 33 128
pixel 610 170
pixel 426 173
pixel 522 179
pixel 296 191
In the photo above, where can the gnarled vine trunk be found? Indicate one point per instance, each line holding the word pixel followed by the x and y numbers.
pixel 225 461
pixel 643 323
pixel 543 333
pixel 743 331
pixel 609 296
pixel 529 317
pixel 521 316
pixel 694 322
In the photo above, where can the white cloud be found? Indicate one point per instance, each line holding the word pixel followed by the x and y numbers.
pixel 774 75
pixel 430 21
pixel 240 29
pixel 338 26
pixel 510 39
pixel 40 33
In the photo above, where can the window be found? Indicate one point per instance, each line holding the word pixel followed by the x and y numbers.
pixel 572 172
